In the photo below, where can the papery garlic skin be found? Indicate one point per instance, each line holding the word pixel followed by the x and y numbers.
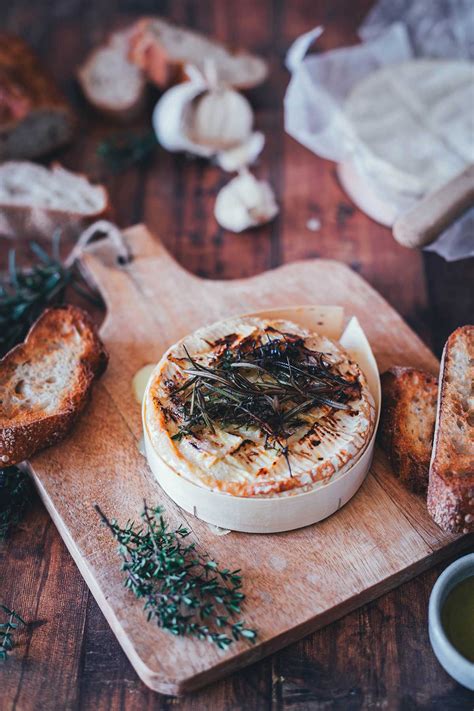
pixel 169 118
pixel 234 159
pixel 201 118
pixel 245 202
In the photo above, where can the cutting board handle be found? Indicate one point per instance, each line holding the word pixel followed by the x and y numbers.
pixel 422 224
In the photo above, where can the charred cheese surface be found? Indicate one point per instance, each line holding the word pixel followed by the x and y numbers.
pixel 275 431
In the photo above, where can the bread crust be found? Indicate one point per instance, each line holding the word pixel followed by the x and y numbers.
pixel 408 452
pixel 33 431
pixel 164 71
pixel 451 479
pixel 28 93
pixel 34 222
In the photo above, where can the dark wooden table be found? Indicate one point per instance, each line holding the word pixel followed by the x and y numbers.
pixel 376 657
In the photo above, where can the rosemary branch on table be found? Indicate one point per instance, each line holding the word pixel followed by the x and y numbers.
pixel 185 592
pixel 268 385
pixel 15 496
pixel 7 630
pixel 124 150
pixel 26 292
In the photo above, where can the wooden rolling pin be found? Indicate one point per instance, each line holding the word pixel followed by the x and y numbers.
pixel 422 224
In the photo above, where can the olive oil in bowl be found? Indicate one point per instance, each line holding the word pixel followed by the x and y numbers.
pixel 457 617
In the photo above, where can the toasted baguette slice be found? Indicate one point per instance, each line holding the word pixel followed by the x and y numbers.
pixel 45 382
pixel 34 117
pixel 35 201
pixel 407 423
pixel 451 486
pixel 163 50
pixel 110 81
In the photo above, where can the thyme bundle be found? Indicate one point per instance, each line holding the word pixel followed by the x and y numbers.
pixel 15 496
pixel 185 592
pixel 25 293
pixel 7 630
pixel 268 385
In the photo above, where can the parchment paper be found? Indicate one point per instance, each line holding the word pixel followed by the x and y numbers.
pixel 395 31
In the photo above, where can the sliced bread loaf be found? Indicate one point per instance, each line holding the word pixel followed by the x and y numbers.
pixel 34 117
pixel 35 201
pixel 407 423
pixel 163 50
pixel 110 81
pixel 451 484
pixel 45 382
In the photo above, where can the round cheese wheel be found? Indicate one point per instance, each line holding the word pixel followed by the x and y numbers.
pixel 415 124
pixel 239 458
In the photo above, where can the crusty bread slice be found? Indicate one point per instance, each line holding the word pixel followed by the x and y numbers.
pixel 45 381
pixel 163 50
pixel 110 81
pixel 34 117
pixel 35 201
pixel 407 423
pixel 451 485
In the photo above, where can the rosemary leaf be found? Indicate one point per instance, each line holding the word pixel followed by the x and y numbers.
pixel 124 150
pixel 184 591
pixel 15 496
pixel 25 293
pixel 269 385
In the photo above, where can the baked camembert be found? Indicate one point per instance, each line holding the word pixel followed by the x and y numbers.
pixel 254 407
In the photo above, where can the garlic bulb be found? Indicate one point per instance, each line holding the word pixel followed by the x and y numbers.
pixel 221 118
pixel 200 117
pixel 245 202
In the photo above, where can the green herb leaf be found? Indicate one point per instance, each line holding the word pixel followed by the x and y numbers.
pixel 15 496
pixel 270 385
pixel 25 293
pixel 180 585
pixel 6 631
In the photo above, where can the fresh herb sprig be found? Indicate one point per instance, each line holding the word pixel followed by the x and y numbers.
pixel 26 292
pixel 15 496
pixel 185 592
pixel 124 150
pixel 267 385
pixel 7 630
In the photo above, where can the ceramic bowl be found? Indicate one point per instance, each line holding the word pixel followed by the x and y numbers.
pixel 457 666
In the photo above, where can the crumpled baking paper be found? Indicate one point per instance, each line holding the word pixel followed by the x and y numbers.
pixel 394 31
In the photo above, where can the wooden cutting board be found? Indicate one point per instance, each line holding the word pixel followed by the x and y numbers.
pixel 295 582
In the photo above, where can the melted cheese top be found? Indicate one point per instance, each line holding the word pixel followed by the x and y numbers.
pixel 238 461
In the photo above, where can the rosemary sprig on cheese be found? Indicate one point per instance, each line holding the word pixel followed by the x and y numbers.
pixel 185 591
pixel 266 385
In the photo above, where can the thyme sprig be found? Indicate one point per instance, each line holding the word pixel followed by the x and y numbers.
pixel 267 385
pixel 185 591
pixel 15 496
pixel 7 630
pixel 26 292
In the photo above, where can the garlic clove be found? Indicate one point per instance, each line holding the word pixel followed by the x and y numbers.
pixel 245 202
pixel 221 118
pixel 169 117
pixel 234 159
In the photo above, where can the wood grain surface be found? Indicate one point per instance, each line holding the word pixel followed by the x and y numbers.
pixel 376 657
